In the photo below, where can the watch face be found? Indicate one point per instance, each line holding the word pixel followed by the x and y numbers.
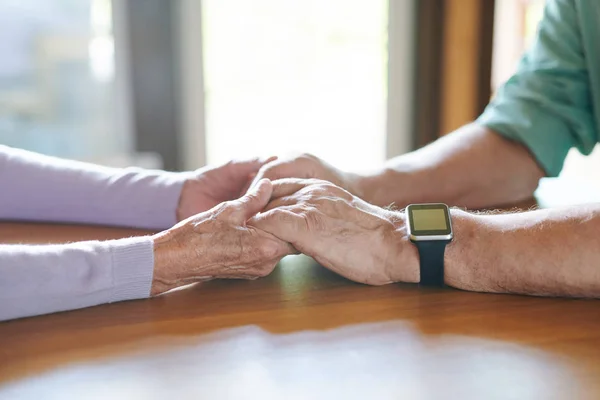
pixel 429 222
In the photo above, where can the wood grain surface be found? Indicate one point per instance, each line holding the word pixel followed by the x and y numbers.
pixel 301 333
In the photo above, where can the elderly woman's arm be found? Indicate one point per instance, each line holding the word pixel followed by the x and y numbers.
pixel 42 188
pixel 42 279
pixel 214 244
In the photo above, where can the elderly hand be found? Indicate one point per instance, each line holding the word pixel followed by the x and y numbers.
pixel 362 242
pixel 218 244
pixel 210 186
pixel 308 166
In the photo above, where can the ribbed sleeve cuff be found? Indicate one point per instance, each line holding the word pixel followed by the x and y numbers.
pixel 132 268
pixel 152 199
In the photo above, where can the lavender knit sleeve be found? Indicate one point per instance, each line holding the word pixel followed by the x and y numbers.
pixel 42 188
pixel 43 279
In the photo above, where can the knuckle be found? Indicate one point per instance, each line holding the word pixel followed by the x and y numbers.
pixel 249 198
pixel 236 205
pixel 319 192
pixel 228 204
pixel 315 186
pixel 312 218
pixel 312 184
pixel 269 250
pixel 221 210
pixel 243 201
pixel 331 187
pixel 311 195
pixel 324 189
pixel 322 184
pixel 282 215
pixel 230 209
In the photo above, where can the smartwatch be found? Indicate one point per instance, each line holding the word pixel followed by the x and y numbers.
pixel 430 229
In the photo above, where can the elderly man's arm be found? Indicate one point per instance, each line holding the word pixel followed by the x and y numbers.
pixel 554 252
pixel 472 167
pixel 543 110
pixel 546 252
pixel 545 107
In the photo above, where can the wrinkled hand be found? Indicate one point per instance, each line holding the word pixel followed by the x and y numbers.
pixel 218 244
pixel 351 237
pixel 210 186
pixel 308 166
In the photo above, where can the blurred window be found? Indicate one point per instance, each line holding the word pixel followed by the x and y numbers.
pixel 515 29
pixel 57 86
pixel 294 75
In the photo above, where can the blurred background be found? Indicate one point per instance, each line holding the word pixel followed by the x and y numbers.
pixel 181 83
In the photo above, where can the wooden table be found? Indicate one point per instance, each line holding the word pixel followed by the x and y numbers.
pixel 301 333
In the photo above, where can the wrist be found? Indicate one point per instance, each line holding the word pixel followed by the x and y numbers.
pixel 189 191
pixel 458 252
pixel 365 185
pixel 164 256
pixel 406 265
pixel 380 187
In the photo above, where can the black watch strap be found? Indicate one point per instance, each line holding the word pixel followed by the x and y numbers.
pixel 431 254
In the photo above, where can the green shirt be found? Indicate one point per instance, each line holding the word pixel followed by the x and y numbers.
pixel 552 102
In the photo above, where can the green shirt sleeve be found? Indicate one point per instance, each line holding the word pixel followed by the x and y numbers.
pixel 546 104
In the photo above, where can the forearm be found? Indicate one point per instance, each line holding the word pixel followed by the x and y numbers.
pixel 552 252
pixel 41 188
pixel 38 280
pixel 471 167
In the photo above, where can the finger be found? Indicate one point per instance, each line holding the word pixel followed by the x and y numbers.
pixel 255 180
pixel 281 202
pixel 243 168
pixel 269 160
pixel 291 250
pixel 261 174
pixel 247 185
pixel 289 186
pixel 283 224
pixel 252 202
pixel 287 249
pixel 282 169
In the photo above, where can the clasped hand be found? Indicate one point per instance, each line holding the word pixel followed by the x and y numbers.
pixel 351 237
pixel 245 238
